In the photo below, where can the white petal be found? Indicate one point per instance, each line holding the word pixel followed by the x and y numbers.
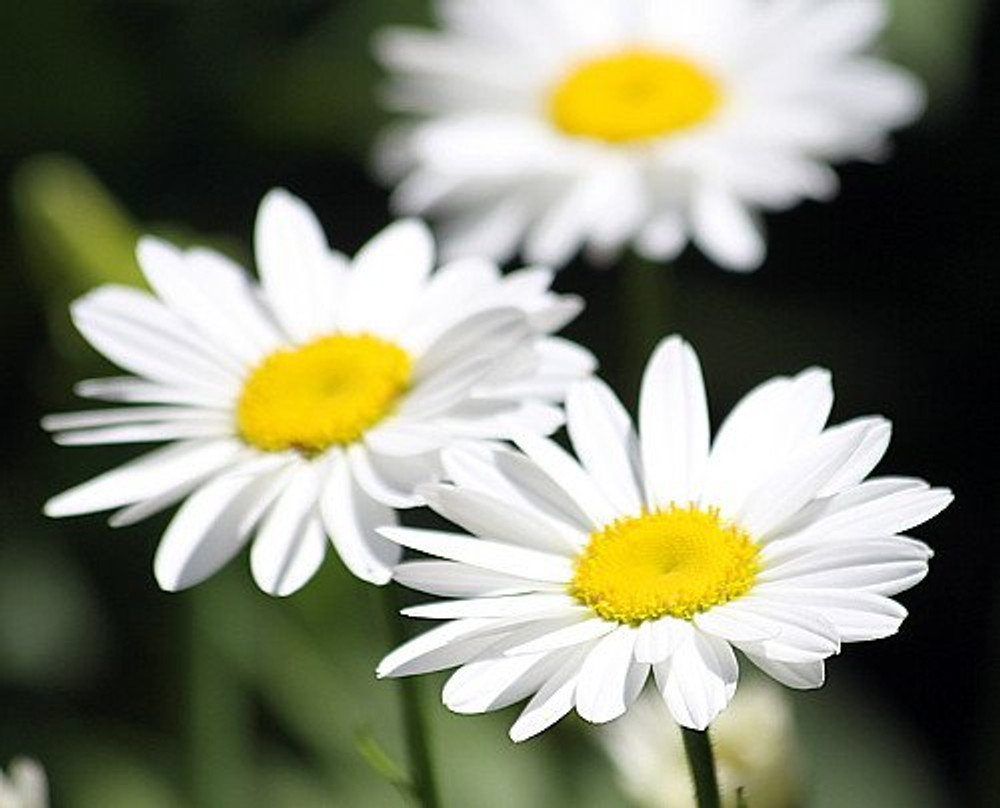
pixel 798 634
pixel 489 555
pixel 450 579
pixel 494 518
pixel 725 230
pixel 658 639
pixel 673 424
pixel 212 526
pixel 873 509
pixel 788 490
pixel 213 295
pixel 444 646
pixel 856 615
pixel 300 276
pixel 391 480
pixel 603 438
pixel 566 473
pixel 870 451
pixel 764 428
pixel 544 603
pixel 396 437
pixel 138 333
pixel 552 701
pixel 486 333
pixel 495 682
pixel 583 630
pixel 386 277
pixel 698 680
pixel 351 518
pixel 290 544
pixel 610 679
pixel 512 477
pixel 801 676
pixel 146 477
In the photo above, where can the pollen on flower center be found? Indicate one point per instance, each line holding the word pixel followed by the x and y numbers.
pixel 633 95
pixel 326 392
pixel 676 561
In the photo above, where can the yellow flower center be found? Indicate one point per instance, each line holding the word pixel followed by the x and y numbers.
pixel 326 392
pixel 676 561
pixel 633 95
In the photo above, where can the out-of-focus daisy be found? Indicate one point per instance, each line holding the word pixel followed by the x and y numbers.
pixel 552 125
pixel 660 553
pixel 24 785
pixel 313 403
pixel 753 742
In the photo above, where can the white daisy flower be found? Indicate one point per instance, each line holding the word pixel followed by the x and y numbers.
pixel 551 125
pixel 660 553
pixel 312 404
pixel 24 785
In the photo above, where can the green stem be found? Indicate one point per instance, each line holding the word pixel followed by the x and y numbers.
pixel 649 307
pixel 701 761
pixel 220 713
pixel 414 723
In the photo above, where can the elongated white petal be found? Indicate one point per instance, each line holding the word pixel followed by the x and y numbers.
pixel 492 518
pixel 451 579
pixel 200 285
pixel 673 424
pixel 497 606
pixel 351 519
pixel 290 544
pixel 583 630
pixel 698 680
pixel 610 678
pixel 781 496
pixel 801 675
pixel 392 481
pixel 399 258
pixel 450 644
pixel 211 527
pixel 565 472
pixel 489 555
pixel 552 701
pixel 147 476
pixel 657 639
pixel 604 440
pixel 494 682
pixel 763 429
pixel 300 276
pixel 513 478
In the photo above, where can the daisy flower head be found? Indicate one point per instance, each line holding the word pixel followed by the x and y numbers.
pixel 551 125
pixel 309 404
pixel 662 552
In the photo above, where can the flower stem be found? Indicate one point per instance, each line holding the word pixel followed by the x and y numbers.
pixel 701 761
pixel 647 301
pixel 414 724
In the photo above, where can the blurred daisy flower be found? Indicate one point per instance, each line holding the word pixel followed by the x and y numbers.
pixel 311 404
pixel 24 785
pixel 551 125
pixel 753 741
pixel 659 553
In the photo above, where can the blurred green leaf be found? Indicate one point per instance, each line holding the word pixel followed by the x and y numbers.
pixel 75 232
pixel 937 40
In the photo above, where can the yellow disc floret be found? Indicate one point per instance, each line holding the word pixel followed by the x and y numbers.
pixel 633 95
pixel 675 561
pixel 326 392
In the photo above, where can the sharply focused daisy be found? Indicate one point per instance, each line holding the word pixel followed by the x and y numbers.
pixel 660 553
pixel 551 125
pixel 312 404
